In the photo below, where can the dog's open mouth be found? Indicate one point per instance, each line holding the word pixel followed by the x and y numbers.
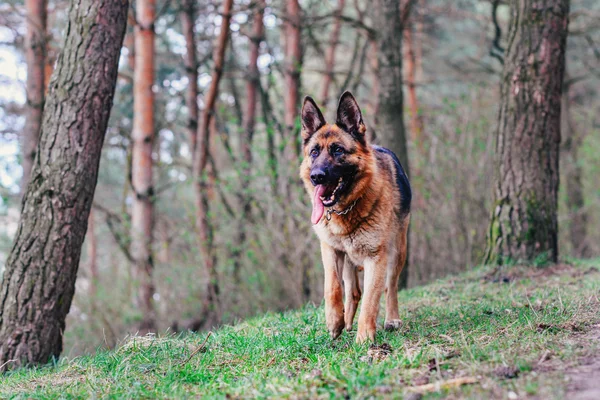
pixel 326 196
pixel 329 196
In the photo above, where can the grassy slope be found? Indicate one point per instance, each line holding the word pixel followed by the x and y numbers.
pixel 531 324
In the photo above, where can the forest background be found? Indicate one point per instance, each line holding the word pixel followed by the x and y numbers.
pixel 265 255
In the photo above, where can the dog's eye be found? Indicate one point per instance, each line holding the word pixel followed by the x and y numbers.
pixel 337 150
pixel 314 152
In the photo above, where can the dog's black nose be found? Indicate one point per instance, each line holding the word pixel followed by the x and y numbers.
pixel 317 176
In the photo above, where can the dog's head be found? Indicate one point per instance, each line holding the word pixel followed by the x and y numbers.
pixel 336 156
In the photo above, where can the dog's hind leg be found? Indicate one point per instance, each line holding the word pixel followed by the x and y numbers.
pixel 334 305
pixel 352 292
pixel 395 266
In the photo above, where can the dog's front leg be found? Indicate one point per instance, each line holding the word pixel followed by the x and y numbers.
pixel 375 270
pixel 334 305
pixel 352 292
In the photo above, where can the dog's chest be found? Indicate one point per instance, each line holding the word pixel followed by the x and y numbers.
pixel 358 244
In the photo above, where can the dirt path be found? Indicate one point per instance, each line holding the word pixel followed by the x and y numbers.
pixel 584 380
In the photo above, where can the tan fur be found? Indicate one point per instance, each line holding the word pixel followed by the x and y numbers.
pixel 372 235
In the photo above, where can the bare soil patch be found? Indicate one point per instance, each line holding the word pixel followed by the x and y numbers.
pixel 584 379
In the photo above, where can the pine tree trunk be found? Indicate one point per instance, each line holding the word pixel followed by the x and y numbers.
pixel 524 226
pixel 418 44
pixel 142 213
pixel 211 311
pixel 390 118
pixel 293 65
pixel 416 121
pixel 330 56
pixel 39 280
pixel 188 19
pixel 35 54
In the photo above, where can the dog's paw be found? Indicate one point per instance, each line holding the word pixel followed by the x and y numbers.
pixel 335 322
pixel 336 331
pixel 335 326
pixel 363 336
pixel 392 325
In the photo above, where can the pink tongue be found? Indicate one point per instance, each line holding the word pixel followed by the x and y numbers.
pixel 318 207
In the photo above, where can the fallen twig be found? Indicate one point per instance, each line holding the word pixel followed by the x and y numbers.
pixel 438 386
pixel 197 350
pixel 6 363
pixel 544 357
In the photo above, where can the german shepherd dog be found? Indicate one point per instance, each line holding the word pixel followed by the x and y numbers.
pixel 361 210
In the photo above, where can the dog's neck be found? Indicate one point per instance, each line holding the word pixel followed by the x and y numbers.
pixel 366 199
pixel 332 210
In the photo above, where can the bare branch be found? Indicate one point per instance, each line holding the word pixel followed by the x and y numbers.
pixel 112 220
pixel 496 51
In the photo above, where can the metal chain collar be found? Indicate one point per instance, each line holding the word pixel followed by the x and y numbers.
pixel 343 212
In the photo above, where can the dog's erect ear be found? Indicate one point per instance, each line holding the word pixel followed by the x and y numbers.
pixel 312 118
pixel 349 117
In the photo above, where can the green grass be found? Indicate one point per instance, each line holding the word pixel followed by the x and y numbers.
pixel 513 335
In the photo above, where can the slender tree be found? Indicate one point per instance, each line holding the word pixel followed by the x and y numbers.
pixel 293 64
pixel 252 88
pixel 211 311
pixel 390 120
pixel 524 224
pixel 35 54
pixel 142 213
pixel 39 280
pixel 188 19
pixel 416 120
pixel 411 56
pixel 330 55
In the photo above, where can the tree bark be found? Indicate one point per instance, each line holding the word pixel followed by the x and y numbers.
pixel 293 65
pixel 330 56
pixel 39 280
pixel 252 83
pixel 524 226
pixel 416 121
pixel 390 119
pixel 142 213
pixel 188 19
pixel 35 55
pixel 211 312
pixel 252 88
